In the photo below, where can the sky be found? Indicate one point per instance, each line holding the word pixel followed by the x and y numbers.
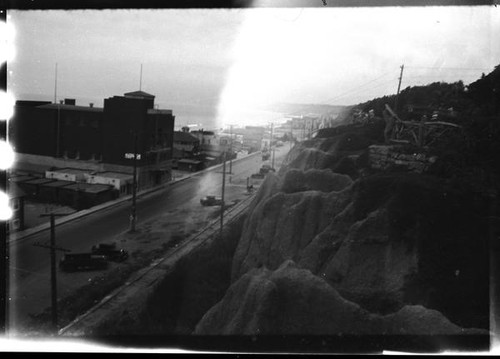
pixel 223 66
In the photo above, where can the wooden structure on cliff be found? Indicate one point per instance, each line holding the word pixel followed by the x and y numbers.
pixel 421 133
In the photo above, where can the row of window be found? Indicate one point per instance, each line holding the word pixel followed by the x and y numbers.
pixel 74 154
pixel 81 122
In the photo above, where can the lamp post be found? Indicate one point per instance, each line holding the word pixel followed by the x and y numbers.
pixel 223 189
pixel 231 151
pixel 133 214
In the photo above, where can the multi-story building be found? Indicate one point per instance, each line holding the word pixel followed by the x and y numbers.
pixel 64 135
pixel 185 144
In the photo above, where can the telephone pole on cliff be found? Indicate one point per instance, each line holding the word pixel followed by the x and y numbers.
pixel 399 88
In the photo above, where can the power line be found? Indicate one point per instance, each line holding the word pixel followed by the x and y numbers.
pixel 364 90
pixel 357 88
pixel 450 68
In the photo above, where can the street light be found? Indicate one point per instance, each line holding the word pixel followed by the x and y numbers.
pixel 222 197
pixel 133 214
pixel 231 151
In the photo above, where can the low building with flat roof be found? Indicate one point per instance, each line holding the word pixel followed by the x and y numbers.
pixel 67 174
pixel 49 192
pixel 86 195
pixel 122 182
pixel 32 187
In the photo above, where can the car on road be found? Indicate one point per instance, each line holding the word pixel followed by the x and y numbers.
pixel 110 251
pixel 257 175
pixel 266 169
pixel 82 261
pixel 211 201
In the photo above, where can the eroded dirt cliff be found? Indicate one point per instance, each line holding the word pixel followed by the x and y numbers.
pixel 330 246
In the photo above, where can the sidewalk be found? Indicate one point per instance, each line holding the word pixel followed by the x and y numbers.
pixel 16 236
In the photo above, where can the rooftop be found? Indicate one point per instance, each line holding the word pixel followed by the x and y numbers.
pixel 57 183
pixel 39 181
pixel 75 171
pixel 21 178
pixel 54 106
pixel 180 136
pixel 86 187
pixel 139 94
pixel 203 132
pixel 153 111
pixel 109 174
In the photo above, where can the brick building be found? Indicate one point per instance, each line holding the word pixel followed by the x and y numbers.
pixel 46 135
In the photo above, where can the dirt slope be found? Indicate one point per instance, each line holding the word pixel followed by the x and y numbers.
pixel 402 246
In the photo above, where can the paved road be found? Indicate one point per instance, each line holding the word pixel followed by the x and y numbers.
pixel 30 265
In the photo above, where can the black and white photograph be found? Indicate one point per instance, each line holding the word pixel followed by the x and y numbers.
pixel 256 177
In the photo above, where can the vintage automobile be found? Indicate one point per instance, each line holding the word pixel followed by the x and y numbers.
pixel 82 261
pixel 110 251
pixel 211 201
pixel 257 175
pixel 266 169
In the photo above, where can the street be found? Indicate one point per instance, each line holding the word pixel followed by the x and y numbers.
pixel 161 216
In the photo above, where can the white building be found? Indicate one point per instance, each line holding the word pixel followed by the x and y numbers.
pixel 67 174
pixel 121 181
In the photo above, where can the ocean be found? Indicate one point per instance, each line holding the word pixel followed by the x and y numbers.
pixel 199 117
pixel 196 116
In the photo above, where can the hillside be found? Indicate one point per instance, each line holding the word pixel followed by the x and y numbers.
pixel 334 244
pixel 355 237
pixel 303 109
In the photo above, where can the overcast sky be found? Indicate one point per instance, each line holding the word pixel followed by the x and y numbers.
pixel 226 60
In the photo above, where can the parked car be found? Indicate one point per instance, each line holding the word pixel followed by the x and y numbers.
pixel 265 156
pixel 82 261
pixel 257 175
pixel 211 201
pixel 266 169
pixel 110 251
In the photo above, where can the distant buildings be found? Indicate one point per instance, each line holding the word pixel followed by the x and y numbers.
pixel 185 145
pixel 100 142
pixel 305 126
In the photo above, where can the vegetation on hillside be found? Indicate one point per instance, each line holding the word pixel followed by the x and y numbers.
pixel 471 154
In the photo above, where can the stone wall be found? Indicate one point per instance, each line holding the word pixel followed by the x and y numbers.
pixel 386 157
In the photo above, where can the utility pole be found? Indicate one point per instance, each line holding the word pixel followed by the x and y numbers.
pixel 55 87
pixel 140 80
pixel 223 189
pixel 399 87
pixel 271 145
pixel 231 151
pixel 53 271
pixel 58 134
pixel 133 217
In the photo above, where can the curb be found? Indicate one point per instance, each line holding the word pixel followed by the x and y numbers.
pixel 17 236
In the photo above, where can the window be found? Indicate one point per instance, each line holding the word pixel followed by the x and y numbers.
pixel 16 224
pixel 15 204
